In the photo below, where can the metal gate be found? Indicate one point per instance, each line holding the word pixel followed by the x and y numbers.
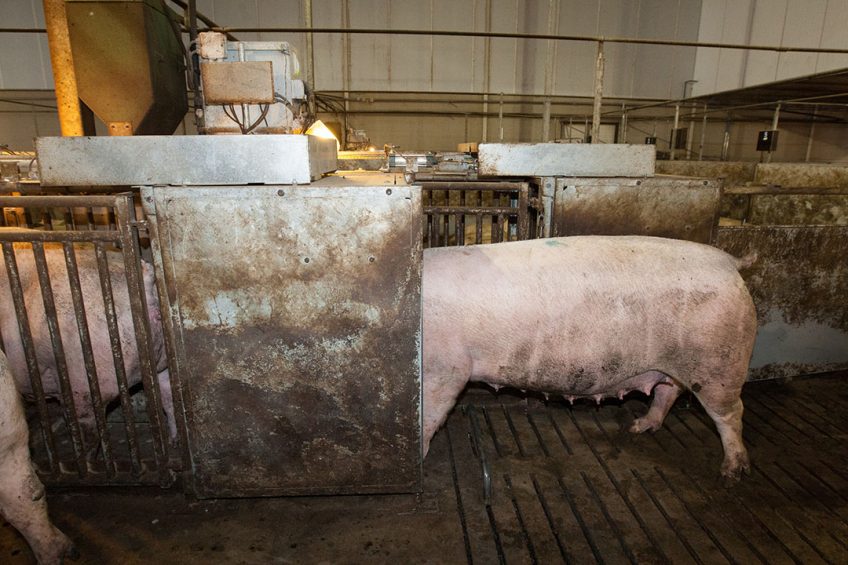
pixel 474 212
pixel 81 329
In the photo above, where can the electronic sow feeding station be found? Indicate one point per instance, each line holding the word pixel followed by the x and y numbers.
pixel 314 283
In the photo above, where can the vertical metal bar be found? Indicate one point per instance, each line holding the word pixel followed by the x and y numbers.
pixel 170 348
pixel 446 240
pixel 500 119
pixel 487 69
pixel 90 220
pixel 774 123
pixel 725 145
pixel 524 211
pixel 599 93
pixel 46 219
pixel 59 42
pixel 310 53
pixel 478 228
pixel 546 120
pixel 500 227
pixel 88 357
pixel 462 200
pixel 812 133
pixel 70 225
pixel 62 374
pixel 125 211
pixel 117 355
pixel 672 149
pixel 16 290
pixel 703 135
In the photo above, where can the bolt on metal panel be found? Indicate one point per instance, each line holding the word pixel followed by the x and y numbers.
pixel 297 317
pixel 566 160
pixel 674 207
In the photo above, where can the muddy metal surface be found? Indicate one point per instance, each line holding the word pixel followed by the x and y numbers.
pixel 675 207
pixel 569 486
pixel 296 312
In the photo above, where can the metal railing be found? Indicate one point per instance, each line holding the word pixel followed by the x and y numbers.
pixel 475 212
pixel 81 341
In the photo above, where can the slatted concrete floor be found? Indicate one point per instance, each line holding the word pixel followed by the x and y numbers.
pixel 568 486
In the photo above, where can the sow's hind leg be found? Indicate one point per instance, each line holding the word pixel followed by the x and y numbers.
pixel 724 406
pixel 665 394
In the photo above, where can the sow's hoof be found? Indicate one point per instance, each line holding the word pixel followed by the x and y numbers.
pixel 732 470
pixel 643 424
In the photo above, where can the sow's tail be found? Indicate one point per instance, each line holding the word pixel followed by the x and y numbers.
pixel 745 261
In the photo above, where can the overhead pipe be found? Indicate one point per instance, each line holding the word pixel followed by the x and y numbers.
pixel 544 36
pixel 62 61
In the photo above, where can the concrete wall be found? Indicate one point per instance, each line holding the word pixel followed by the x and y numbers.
pixel 795 23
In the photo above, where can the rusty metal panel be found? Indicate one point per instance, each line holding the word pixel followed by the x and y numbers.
pixel 799 284
pixel 242 82
pixel 566 159
pixel 297 314
pixel 674 207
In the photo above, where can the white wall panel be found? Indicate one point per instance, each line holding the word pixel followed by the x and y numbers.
pixel 803 28
pixel 834 36
pixel 328 48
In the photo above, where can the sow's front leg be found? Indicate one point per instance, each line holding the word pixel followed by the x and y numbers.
pixel 21 493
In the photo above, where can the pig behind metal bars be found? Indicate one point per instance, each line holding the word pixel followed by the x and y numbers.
pixel 591 317
pixel 21 493
pixel 90 286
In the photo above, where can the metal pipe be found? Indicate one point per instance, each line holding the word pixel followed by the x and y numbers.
pixel 810 138
pixel 542 36
pixel 487 70
pixel 310 53
pixel 599 93
pixel 62 61
pixel 500 119
pixel 775 120
pixel 546 121
pixel 703 135
pixel 725 146
pixel 672 143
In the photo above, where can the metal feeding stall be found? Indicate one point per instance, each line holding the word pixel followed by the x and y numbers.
pixel 292 308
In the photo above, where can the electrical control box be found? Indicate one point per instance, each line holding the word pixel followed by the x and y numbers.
pixel 767 140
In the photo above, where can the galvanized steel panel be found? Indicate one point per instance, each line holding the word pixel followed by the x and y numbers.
pixel 184 159
pixel 672 207
pixel 799 284
pixel 297 314
pixel 566 160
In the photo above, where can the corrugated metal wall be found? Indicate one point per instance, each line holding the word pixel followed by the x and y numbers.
pixel 796 23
